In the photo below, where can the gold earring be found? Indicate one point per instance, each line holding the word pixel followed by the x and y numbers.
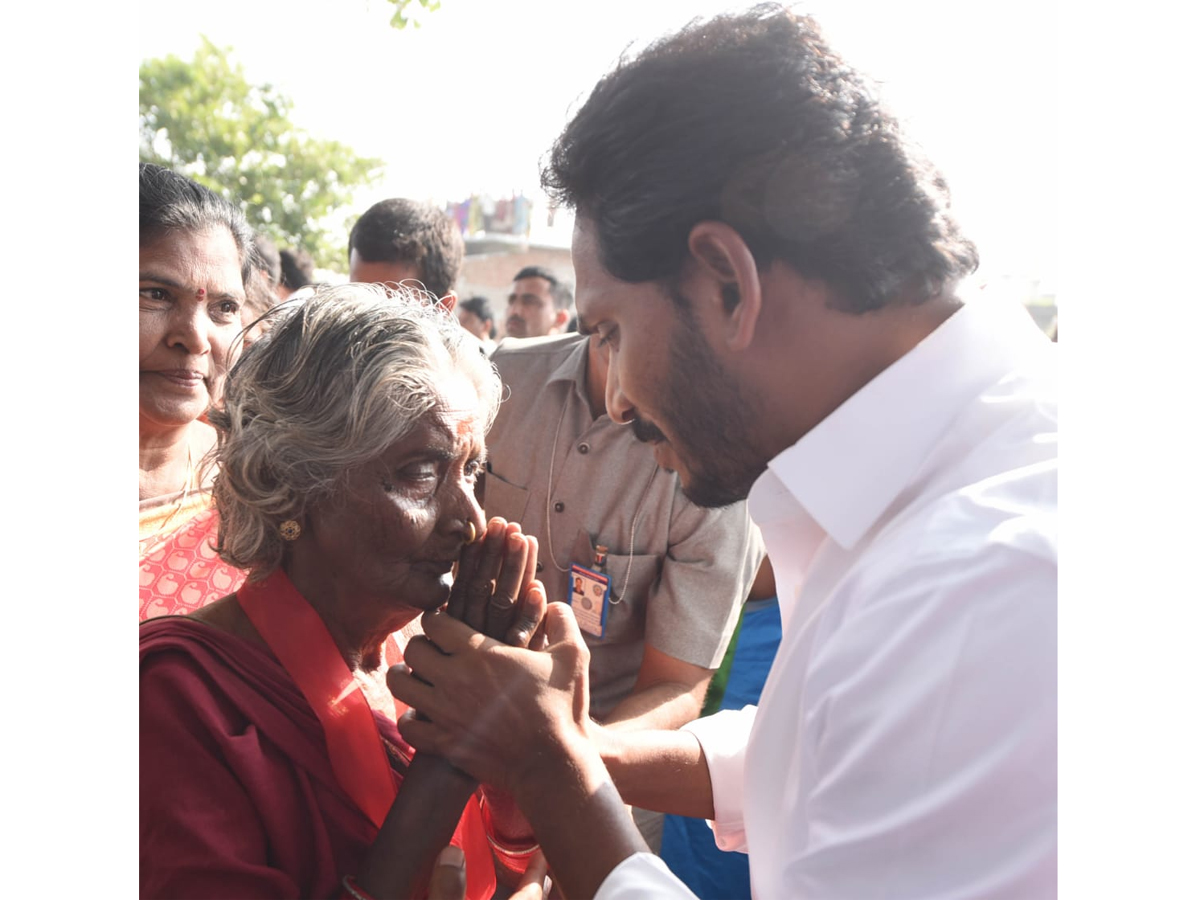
pixel 470 532
pixel 289 530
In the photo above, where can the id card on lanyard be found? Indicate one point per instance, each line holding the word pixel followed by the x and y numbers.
pixel 589 599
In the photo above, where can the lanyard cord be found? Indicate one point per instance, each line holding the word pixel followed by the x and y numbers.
pixel 550 490
pixel 189 485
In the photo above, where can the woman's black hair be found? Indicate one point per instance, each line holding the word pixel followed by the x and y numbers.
pixel 170 202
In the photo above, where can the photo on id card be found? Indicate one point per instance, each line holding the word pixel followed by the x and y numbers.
pixel 589 599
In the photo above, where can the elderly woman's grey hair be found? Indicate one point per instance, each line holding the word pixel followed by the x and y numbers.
pixel 339 378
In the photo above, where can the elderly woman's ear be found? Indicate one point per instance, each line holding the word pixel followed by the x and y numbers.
pixel 290 529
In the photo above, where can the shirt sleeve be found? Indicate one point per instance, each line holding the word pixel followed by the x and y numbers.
pixel 639 876
pixel 712 558
pixel 723 738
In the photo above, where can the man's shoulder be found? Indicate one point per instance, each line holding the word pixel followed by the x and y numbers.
pixel 531 371
pixel 993 538
pixel 526 365
pixel 549 350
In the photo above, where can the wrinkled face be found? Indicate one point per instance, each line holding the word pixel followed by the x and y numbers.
pixel 665 381
pixel 390 537
pixel 531 310
pixel 190 298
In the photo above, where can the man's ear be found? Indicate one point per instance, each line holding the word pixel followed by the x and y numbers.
pixel 449 301
pixel 561 318
pixel 723 258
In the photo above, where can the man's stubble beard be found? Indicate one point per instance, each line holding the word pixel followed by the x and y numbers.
pixel 713 423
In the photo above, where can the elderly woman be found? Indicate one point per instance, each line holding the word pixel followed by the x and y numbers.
pixel 351 437
pixel 195 258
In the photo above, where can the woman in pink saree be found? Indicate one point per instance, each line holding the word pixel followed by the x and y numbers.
pixel 195 258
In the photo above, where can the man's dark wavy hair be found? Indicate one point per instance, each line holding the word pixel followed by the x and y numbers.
pixel 400 230
pixel 750 119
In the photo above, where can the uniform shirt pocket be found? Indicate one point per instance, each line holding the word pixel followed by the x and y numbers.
pixel 627 616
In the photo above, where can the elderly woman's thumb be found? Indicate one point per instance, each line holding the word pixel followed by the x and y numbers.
pixel 449 878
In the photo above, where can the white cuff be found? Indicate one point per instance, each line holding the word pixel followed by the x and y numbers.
pixel 723 738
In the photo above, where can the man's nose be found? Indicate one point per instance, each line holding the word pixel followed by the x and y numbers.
pixel 620 410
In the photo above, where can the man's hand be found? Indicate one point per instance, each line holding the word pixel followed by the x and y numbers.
pixel 449 879
pixel 518 719
pixel 496 712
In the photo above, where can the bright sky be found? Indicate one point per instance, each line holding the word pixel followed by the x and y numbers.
pixel 472 100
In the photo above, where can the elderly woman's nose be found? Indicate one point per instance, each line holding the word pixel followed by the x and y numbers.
pixel 465 511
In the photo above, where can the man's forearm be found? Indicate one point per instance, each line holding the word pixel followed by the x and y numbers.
pixel 579 818
pixel 659 770
pixel 665 705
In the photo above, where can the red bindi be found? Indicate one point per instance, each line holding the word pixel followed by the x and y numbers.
pixel 200 294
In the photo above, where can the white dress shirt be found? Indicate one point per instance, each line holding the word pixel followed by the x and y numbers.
pixel 905 744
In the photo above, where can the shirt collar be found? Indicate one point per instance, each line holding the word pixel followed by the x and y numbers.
pixel 573 368
pixel 848 469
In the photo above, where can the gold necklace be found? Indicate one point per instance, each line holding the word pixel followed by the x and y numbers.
pixel 184 493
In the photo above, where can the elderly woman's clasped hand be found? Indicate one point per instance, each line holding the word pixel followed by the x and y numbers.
pixel 495 591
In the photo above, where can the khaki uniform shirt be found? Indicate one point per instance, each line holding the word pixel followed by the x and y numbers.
pixel 678 573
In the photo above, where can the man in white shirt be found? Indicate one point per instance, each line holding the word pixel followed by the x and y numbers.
pixel 777 279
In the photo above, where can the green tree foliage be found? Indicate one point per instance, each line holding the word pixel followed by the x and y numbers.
pixel 203 119
pixel 402 19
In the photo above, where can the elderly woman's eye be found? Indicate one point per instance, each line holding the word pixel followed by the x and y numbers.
pixel 473 469
pixel 418 472
pixel 407 476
